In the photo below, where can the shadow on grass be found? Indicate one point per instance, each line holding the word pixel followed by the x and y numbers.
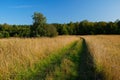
pixel 87 69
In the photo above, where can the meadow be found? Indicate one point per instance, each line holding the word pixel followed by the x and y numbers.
pixel 105 50
pixel 60 58
pixel 20 55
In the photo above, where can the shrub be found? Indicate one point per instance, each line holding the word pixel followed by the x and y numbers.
pixel 4 34
pixel 51 31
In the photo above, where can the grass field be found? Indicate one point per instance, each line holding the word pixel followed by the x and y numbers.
pixel 20 54
pixel 60 58
pixel 105 50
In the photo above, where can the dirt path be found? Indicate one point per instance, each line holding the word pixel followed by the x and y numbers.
pixel 77 65
pixel 87 69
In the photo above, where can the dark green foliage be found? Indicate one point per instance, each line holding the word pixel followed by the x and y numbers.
pixel 1 35
pixel 4 34
pixel 71 28
pixel 39 19
pixel 24 32
pixel 38 31
pixel 88 28
pixel 62 29
pixel 51 31
pixel 41 29
pixel 14 31
pixel 38 27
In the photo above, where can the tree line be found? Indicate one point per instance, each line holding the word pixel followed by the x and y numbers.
pixel 40 28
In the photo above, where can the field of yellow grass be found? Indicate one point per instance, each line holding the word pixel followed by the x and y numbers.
pixel 17 54
pixel 62 57
pixel 105 50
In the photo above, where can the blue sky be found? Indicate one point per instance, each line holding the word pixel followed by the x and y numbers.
pixel 59 11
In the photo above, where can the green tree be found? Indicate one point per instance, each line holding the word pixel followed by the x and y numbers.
pixel 4 34
pixel 38 28
pixel 39 19
pixel 1 35
pixel 64 30
pixel 71 28
pixel 51 31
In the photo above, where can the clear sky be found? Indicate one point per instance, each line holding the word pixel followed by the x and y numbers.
pixel 59 11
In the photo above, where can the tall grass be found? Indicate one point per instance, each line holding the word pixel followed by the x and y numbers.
pixel 68 68
pixel 106 53
pixel 20 54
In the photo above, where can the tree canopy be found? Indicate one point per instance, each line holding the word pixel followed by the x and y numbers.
pixel 40 28
pixel 39 19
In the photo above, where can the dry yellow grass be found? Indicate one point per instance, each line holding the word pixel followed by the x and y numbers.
pixel 18 54
pixel 106 53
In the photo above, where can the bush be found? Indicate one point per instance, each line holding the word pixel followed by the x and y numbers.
pixel 1 35
pixel 51 31
pixel 4 34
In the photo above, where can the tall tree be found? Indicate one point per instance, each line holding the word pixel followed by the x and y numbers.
pixel 38 28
